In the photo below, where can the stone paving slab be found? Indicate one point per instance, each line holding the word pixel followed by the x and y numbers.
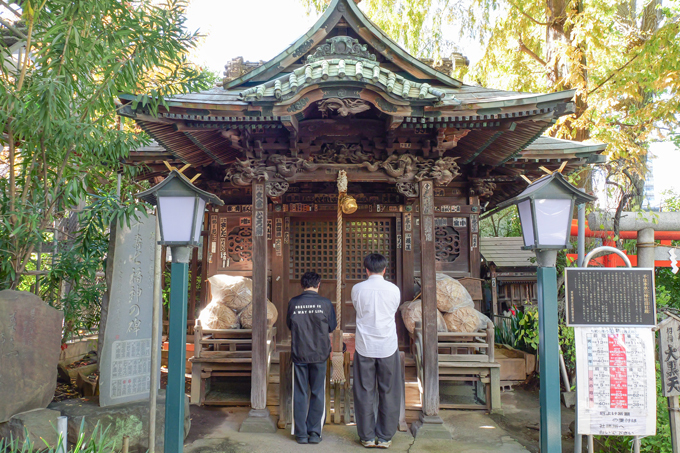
pixel 216 430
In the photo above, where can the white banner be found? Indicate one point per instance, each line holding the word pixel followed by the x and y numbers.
pixel 616 381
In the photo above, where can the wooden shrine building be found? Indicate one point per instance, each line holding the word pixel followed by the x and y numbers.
pixel 424 154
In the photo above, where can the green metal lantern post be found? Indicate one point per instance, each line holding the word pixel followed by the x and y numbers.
pixel 181 207
pixel 545 211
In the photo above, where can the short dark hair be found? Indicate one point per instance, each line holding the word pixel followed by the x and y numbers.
pixel 310 280
pixel 375 263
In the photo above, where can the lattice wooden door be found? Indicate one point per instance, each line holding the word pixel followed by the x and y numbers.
pixel 313 248
pixel 360 238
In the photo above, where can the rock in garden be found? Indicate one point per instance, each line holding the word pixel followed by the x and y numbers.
pixel 35 426
pixel 30 342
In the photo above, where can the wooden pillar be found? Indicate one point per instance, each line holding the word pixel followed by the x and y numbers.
pixel 203 297
pixel 407 256
pixel 259 419
pixel 475 255
pixel 429 298
pixel 278 278
pixel 494 290
pixel 192 286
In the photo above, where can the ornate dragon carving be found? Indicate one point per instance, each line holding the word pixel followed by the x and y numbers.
pixel 481 188
pixel 405 168
pixel 341 153
pixel 442 170
pixel 408 189
pixel 341 46
pixel 276 188
pixel 342 107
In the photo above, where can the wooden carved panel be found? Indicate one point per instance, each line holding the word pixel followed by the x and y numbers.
pixel 447 244
pixel 240 244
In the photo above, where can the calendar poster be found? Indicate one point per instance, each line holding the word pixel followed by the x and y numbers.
pixel 616 381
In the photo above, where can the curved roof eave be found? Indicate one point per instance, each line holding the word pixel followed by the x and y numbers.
pixel 320 30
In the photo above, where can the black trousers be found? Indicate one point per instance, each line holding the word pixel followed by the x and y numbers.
pixel 309 403
pixel 377 382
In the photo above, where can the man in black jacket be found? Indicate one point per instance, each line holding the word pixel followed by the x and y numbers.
pixel 310 318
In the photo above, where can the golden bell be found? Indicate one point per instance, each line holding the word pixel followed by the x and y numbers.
pixel 348 204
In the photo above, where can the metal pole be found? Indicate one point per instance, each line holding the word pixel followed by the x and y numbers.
pixel 62 427
pixel 549 353
pixel 155 339
pixel 177 333
pixel 636 445
pixel 581 239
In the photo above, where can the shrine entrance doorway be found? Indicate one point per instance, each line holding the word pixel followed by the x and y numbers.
pixel 313 248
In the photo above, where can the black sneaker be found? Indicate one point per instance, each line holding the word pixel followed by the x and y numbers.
pixel 314 438
pixel 302 440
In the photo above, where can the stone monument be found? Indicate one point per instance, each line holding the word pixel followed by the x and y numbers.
pixel 125 328
pixel 30 340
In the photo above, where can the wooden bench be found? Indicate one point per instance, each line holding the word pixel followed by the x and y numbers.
pixel 224 353
pixel 467 357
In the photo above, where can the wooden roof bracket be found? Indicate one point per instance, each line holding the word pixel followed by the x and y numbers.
pixel 203 148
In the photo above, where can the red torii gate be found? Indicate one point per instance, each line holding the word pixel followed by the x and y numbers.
pixel 607 237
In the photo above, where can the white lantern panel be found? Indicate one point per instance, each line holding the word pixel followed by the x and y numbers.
pixel 552 221
pixel 525 219
pixel 199 219
pixel 177 216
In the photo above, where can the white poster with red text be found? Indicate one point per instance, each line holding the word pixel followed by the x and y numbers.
pixel 616 381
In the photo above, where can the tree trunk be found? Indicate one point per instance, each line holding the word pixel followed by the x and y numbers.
pixel 562 73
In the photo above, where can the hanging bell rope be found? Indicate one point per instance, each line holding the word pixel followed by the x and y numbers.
pixel 338 371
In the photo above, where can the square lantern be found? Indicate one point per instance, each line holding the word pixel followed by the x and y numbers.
pixel 181 206
pixel 545 211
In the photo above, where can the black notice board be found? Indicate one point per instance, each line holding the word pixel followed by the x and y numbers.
pixel 610 296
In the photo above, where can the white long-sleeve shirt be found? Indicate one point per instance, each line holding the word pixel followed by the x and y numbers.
pixel 376 302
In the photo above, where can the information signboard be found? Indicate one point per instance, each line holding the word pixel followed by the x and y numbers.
pixel 610 296
pixel 617 381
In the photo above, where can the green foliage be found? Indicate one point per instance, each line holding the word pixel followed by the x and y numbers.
pixel 58 113
pixel 670 201
pixel 526 335
pixel 667 288
pixel 98 442
pixel 81 265
pixel 63 141
pixel 503 331
pixel 504 223
pixel 567 345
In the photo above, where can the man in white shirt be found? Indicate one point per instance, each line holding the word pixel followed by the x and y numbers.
pixel 377 370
